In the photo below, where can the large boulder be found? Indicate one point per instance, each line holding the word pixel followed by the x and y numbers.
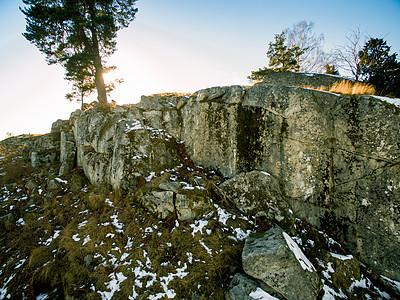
pixel 117 149
pixel 243 287
pixel 257 193
pixel 275 258
pixel 174 198
pixel 45 150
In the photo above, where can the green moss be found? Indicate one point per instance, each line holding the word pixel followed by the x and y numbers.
pixel 251 128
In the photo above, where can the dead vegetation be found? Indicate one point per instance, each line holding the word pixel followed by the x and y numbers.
pixel 346 87
pixel 94 244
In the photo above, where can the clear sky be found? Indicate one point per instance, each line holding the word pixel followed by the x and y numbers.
pixel 175 46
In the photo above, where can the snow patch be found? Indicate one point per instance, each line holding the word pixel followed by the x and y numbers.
pixel 331 294
pixel 61 180
pixel 222 215
pixel 303 260
pixel 86 240
pixel 341 257
pixel 395 101
pixel 395 284
pixel 112 285
pixel 198 226
pixel 260 294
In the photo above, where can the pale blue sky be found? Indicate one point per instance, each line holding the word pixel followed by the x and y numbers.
pixel 175 46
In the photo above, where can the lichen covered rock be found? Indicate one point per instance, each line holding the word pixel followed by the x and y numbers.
pixel 275 258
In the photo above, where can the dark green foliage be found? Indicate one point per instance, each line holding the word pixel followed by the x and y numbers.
pixel 259 75
pixel 380 68
pixel 281 58
pixel 331 69
pixel 79 35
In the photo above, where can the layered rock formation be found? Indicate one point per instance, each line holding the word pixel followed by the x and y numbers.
pixel 326 158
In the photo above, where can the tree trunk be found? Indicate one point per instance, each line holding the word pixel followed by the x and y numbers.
pixel 99 80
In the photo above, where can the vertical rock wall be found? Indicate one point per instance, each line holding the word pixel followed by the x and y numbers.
pixel 334 158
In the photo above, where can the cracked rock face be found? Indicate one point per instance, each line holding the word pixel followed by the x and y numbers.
pixel 334 158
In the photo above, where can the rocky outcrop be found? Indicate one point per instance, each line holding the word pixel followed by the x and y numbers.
pixel 277 260
pixel 258 194
pixel 310 80
pixel 119 148
pixel 67 152
pixel 335 157
pixel 243 287
pixel 332 159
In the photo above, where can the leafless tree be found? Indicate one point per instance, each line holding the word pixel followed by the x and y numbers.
pixel 346 56
pixel 302 35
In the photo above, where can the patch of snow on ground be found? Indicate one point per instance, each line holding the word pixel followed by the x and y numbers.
pixel 260 294
pixel 222 215
pixel 303 260
pixel 395 284
pixel 76 238
pixel 129 243
pixel 341 257
pixel 113 285
pixel 21 222
pixel 20 263
pixel 198 226
pixel 190 257
pixel 150 177
pixel 3 290
pixel 61 180
pixel 83 223
pixel 328 270
pixel 240 234
pixel 50 239
pixel 86 240
pixel 108 201
pixel 165 280
pixel 209 251
pixel 117 224
pixel 395 101
pixel 331 294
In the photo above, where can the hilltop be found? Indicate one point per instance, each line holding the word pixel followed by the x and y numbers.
pixel 271 190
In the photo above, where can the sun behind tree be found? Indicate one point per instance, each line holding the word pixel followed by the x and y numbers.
pixel 79 35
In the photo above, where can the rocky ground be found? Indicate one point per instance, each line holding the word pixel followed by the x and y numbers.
pixel 61 237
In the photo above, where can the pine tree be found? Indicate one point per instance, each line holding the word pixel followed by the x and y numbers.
pixel 281 58
pixel 380 68
pixel 331 69
pixel 79 35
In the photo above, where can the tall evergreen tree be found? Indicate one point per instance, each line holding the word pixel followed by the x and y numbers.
pixel 380 68
pixel 78 34
pixel 281 58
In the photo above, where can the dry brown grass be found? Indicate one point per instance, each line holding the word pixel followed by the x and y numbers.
pixel 346 87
